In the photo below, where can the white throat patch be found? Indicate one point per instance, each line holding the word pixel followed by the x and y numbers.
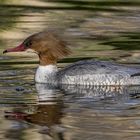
pixel 46 74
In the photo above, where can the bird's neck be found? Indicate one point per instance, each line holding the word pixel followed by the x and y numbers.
pixel 46 59
pixel 46 74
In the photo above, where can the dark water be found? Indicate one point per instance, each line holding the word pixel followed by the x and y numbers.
pixel 107 30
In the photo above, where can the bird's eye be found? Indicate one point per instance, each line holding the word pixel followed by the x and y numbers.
pixel 28 44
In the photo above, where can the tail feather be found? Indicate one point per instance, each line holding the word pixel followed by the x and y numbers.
pixel 135 75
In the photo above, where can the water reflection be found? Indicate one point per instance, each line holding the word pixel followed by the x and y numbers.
pixel 45 114
pixel 78 112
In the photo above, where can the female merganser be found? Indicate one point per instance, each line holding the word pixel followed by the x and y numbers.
pixel 88 72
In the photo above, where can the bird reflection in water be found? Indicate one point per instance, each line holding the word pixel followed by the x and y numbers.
pixel 47 113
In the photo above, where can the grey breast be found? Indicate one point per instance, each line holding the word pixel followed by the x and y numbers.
pixel 92 72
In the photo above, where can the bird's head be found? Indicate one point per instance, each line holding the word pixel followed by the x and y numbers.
pixel 47 45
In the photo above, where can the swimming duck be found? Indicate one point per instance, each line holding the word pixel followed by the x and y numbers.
pixel 87 72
